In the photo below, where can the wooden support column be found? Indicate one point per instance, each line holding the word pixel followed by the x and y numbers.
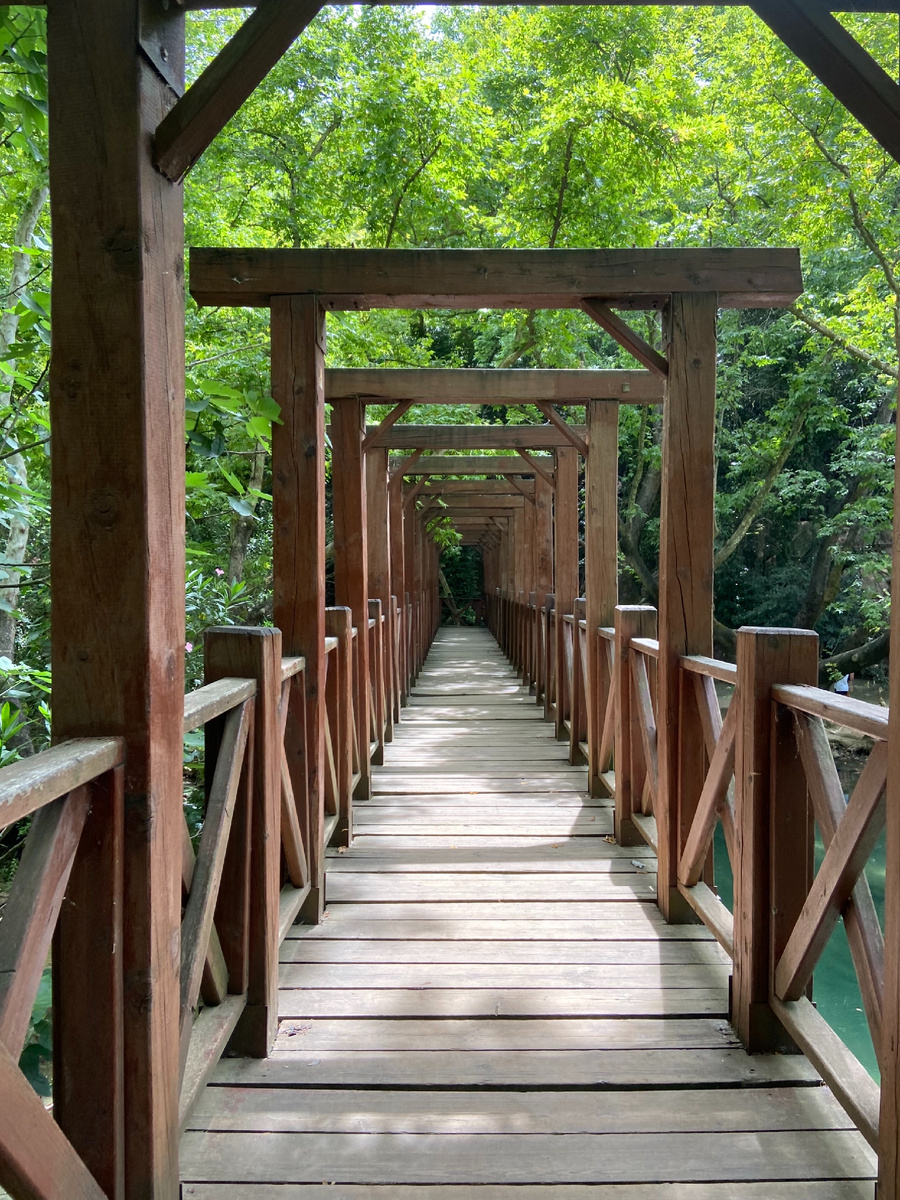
pixel 379 552
pixel 398 583
pixel 117 566
pixel 685 575
pixel 601 570
pixel 543 567
pixel 889 1121
pixel 774 844
pixel 528 585
pixel 298 551
pixel 351 568
pixel 565 552
pixel 631 621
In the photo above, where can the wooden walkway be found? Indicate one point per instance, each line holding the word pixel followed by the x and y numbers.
pixel 492 1001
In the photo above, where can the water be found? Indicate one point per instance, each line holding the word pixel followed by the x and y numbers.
pixel 835 987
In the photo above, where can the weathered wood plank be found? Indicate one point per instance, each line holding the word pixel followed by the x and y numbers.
pixel 461 385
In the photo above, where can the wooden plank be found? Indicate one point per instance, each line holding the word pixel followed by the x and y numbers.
pixel 268 1110
pixel 871 720
pixel 486 1034
pixel 299 950
pixel 509 975
pixel 618 1001
pixel 209 1037
pixel 469 464
pixel 613 1068
pixel 298 550
pixel 639 923
pixel 230 79
pixel 471 437
pixel 36 1158
pixel 117 378
pixel 845 1189
pixel 31 910
pixel 30 783
pixel 491 385
pixel 712 912
pixel 493 278
pixel 489 861
pixel 214 699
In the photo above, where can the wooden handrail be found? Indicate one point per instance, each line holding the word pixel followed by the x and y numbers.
pixel 714 668
pixel 214 699
pixel 292 665
pixel 648 646
pixel 34 782
pixel 871 720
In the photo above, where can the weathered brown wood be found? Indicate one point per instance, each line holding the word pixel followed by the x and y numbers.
pixel 209 1037
pixel 849 72
pixel 385 424
pixel 339 624
pixel 256 653
pixel 645 717
pixel 473 437
pixel 36 1158
pixel 230 79
pixel 379 552
pixel 491 385
pixel 563 426
pixel 766 806
pixel 601 572
pixel 214 699
pixel 565 563
pixel 298 513
pixel 200 907
pixel 861 920
pixel 889 1120
pixel 30 912
pixel 712 798
pixel 351 568
pixel 117 378
pixel 30 783
pixel 350 279
pixel 474 464
pixel 844 860
pixel 626 336
pixel 89 1101
pixel 685 571
pixel 713 913
pixel 868 719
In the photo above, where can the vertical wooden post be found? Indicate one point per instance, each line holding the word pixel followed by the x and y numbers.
pixel 543 570
pixel 631 621
pixel 565 583
pixel 685 575
pixel 600 567
pixel 256 654
pixel 379 551
pixel 339 693
pixel 398 578
pixel 117 557
pixel 376 667
pixel 351 568
pixel 578 699
pixel 298 550
pixel 889 1123
pixel 771 880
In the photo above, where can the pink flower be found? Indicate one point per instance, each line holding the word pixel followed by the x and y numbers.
pixel 219 571
pixel 189 646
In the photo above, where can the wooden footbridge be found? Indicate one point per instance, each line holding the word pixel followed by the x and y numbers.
pixel 451 927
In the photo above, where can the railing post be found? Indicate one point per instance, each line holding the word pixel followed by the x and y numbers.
pixel 631 621
pixel 339 694
pixel 774 845
pixel 378 680
pixel 248 653
pixel 578 706
pixel 565 543
pixel 548 634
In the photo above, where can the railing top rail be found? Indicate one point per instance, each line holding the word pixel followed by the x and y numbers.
pixel 371 622
pixel 715 668
pixel 608 632
pixel 214 699
pixel 292 665
pixel 34 782
pixel 871 720
pixel 649 646
pixel 331 643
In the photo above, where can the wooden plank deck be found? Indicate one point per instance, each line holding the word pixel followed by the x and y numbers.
pixel 493 1008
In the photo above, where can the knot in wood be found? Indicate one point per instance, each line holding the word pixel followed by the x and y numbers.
pixel 103 508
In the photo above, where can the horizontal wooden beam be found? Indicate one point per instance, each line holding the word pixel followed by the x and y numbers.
pixel 466 385
pixel 468 465
pixel 463 504
pixel 361 279
pixel 475 437
pixel 880 6
pixel 479 487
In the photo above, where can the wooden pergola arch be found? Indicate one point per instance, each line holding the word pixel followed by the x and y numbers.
pixel 124 130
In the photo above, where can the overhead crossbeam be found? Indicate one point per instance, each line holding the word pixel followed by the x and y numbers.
pixel 475 437
pixel 488 385
pixel 361 279
pixel 469 465
pixel 508 486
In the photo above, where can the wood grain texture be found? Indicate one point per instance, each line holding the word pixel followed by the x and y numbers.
pixel 492 385
pixel 493 278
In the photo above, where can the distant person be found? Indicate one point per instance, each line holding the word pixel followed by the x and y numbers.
pixel 844 685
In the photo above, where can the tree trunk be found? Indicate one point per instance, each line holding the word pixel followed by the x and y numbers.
pixel 20 524
pixel 242 527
